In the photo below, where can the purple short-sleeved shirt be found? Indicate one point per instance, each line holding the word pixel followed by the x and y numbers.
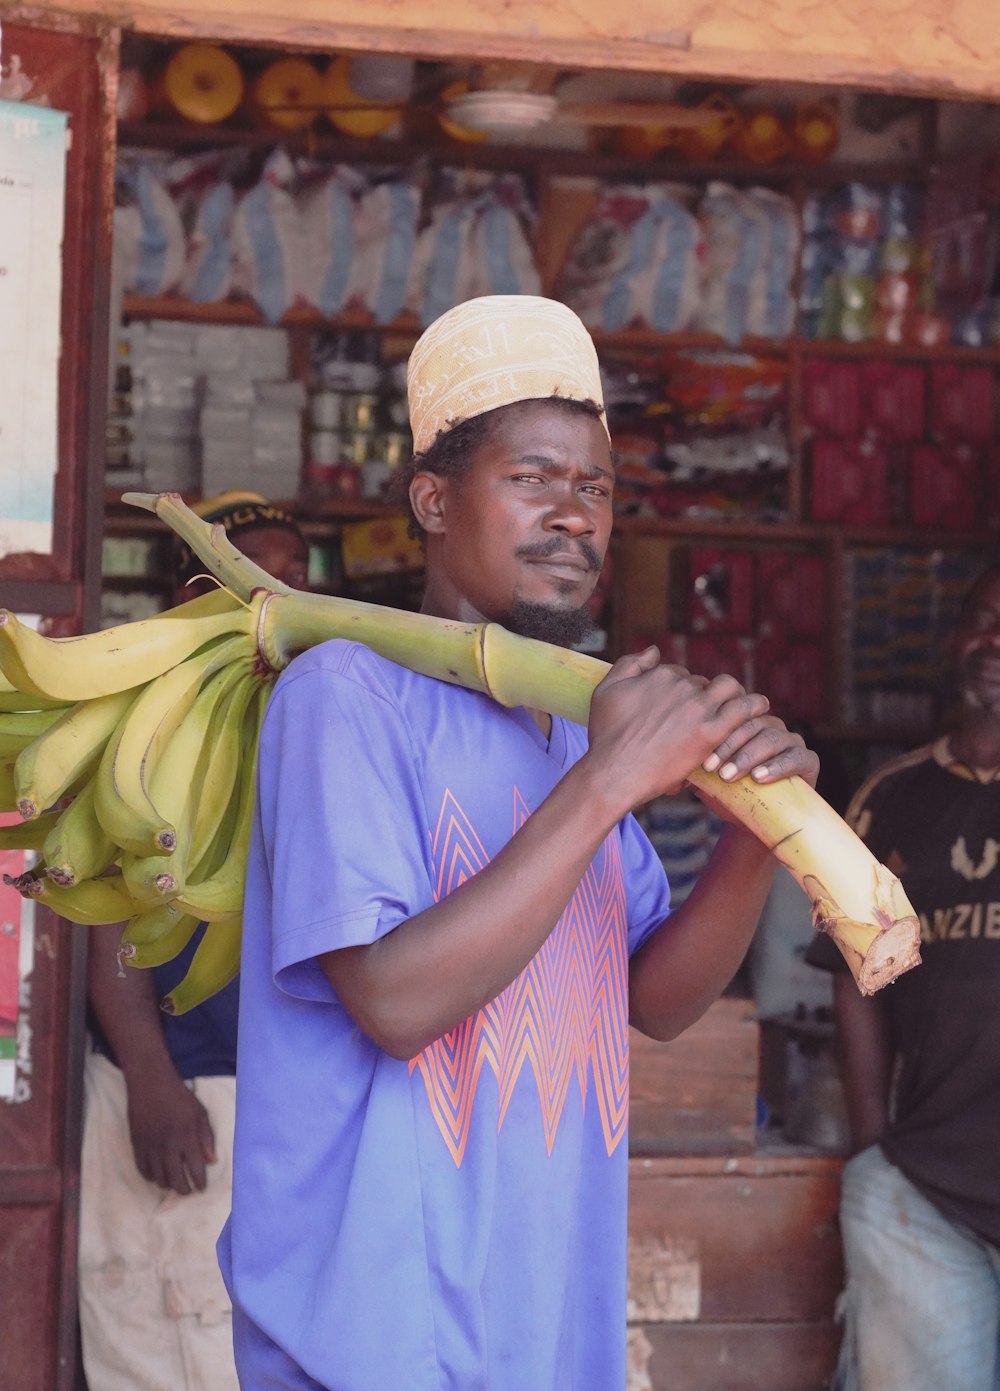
pixel 456 1222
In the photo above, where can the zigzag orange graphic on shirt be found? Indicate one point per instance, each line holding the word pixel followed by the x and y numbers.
pixel 565 1013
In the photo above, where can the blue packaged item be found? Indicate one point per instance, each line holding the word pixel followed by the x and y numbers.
pixel 267 240
pixel 158 244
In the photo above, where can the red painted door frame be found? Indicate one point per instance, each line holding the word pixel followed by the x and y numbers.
pixel 72 65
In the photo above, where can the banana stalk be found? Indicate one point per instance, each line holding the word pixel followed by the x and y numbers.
pixel 859 902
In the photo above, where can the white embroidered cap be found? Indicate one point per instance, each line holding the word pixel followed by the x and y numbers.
pixel 493 351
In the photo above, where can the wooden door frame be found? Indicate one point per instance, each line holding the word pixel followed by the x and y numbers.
pixel 74 62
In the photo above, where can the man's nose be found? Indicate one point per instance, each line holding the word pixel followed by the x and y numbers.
pixel 570 515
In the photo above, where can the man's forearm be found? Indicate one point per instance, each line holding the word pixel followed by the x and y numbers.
pixel 864 1057
pixel 693 956
pixel 124 1003
pixel 439 967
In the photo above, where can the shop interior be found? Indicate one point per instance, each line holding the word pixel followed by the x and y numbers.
pixel 795 294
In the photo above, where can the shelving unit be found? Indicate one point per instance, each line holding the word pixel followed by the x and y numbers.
pixel 733 1247
pixel 646 547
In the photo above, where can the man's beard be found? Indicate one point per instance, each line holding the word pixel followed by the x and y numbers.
pixel 564 627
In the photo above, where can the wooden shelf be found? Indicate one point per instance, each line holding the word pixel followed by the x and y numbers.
pixel 875 734
pixel 407 327
pixel 315 514
pixel 543 159
pixel 244 313
pixel 898 352
pixel 128 584
pixel 827 533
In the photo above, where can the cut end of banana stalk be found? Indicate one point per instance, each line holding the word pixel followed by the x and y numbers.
pixel 27 885
pixel 877 950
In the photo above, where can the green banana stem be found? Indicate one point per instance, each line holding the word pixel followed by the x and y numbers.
pixel 859 902
pixel 210 544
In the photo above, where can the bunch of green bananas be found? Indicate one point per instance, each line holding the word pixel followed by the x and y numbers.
pixel 130 755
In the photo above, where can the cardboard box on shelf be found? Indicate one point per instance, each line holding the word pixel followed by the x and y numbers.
pixel 722 588
pixel 831 397
pixel 945 486
pixel 851 482
pixel 791 589
pixel 791 675
pixel 893 405
pixel 963 402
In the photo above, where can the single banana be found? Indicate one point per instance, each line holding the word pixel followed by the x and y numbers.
pixel 92 901
pixel 157 935
pixel 28 835
pixel 175 788
pixel 219 898
pixel 220 784
pixel 208 859
pixel 215 963
pixel 8 792
pixel 68 751
pixel 122 780
pixel 77 847
pixel 12 700
pixel 115 659
pixel 18 730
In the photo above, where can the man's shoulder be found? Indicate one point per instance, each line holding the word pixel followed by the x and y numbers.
pixel 347 659
pixel 354 675
pixel 890 778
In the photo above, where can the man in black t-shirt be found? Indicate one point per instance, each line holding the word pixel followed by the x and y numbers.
pixel 920 1208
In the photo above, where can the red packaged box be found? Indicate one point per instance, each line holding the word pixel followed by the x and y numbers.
pixel 672 645
pixel 722 590
pixel 963 403
pixel 720 654
pixel 723 654
pixel 791 675
pixel 831 397
pixel 791 590
pixel 992 480
pixel 944 486
pixel 851 483
pixel 892 396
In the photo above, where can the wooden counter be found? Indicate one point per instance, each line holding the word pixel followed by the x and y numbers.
pixel 734 1252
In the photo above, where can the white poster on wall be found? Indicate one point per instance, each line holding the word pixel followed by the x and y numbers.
pixel 32 184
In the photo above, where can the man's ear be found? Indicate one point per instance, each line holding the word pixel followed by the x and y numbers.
pixel 428 496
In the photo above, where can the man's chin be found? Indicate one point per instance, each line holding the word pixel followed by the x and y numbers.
pixel 564 627
pixel 983 698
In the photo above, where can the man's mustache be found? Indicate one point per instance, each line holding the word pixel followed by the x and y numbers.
pixel 556 545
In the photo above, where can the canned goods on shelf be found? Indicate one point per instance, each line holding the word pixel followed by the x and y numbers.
pixel 395 447
pixel 326 410
pixel 357 446
pixel 325 447
pixel 359 410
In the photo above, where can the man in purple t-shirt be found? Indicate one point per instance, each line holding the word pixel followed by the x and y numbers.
pixel 451 918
